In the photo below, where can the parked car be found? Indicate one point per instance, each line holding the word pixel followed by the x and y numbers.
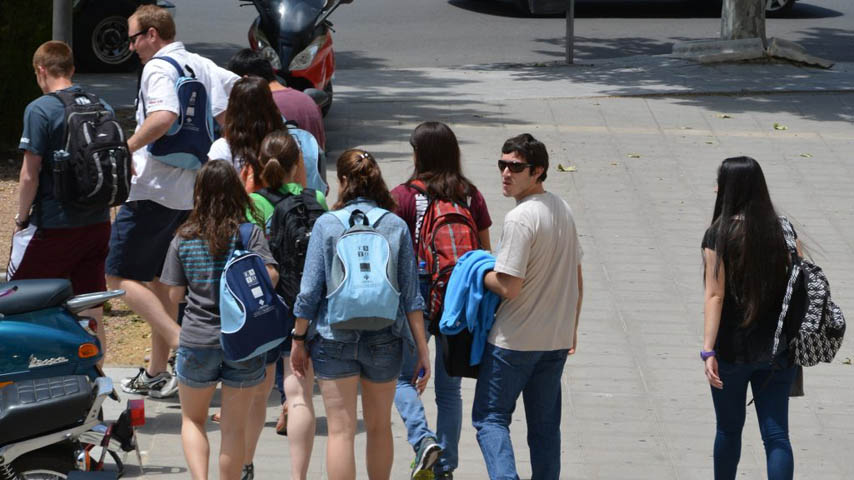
pixel 100 32
pixel 773 8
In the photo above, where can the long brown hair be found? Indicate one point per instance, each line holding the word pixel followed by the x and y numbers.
pixel 278 155
pixel 360 176
pixel 220 204
pixel 250 116
pixel 437 162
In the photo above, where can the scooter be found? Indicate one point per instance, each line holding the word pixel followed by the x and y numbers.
pixel 296 37
pixel 51 388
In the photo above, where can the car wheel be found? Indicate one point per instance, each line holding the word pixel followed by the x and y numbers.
pixel 100 37
pixel 523 6
pixel 777 8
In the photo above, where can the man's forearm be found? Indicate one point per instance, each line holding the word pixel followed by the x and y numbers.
pixel 155 126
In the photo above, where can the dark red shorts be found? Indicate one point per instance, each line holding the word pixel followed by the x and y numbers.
pixel 76 253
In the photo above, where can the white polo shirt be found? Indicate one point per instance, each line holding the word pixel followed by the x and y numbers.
pixel 171 186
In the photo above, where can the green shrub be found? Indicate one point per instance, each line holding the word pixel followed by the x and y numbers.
pixel 23 27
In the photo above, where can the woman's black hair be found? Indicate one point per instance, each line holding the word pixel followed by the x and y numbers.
pixel 249 62
pixel 437 162
pixel 749 240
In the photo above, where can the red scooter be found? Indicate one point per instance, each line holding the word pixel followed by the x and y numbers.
pixel 296 37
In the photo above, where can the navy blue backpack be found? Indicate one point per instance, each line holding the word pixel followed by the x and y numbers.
pixel 253 318
pixel 189 139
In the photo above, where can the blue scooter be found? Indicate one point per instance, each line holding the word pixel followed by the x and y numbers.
pixel 51 388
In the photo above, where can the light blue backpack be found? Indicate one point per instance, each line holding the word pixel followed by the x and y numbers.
pixel 363 285
pixel 313 157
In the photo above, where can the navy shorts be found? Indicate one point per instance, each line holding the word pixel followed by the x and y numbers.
pixel 204 367
pixel 377 357
pixel 140 239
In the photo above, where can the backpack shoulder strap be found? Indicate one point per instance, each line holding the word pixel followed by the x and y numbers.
pixel 375 215
pixel 343 216
pixel 418 186
pixel 173 62
pixel 309 197
pixel 789 235
pixel 244 237
pixel 271 196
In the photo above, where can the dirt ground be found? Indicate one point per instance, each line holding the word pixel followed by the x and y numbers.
pixel 127 334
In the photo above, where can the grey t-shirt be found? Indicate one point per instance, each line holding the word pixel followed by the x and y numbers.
pixel 190 264
pixel 44 133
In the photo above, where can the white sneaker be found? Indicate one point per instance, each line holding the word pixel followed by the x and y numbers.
pixel 169 389
pixel 143 384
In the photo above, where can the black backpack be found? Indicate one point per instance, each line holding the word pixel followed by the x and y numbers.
pixel 289 230
pixel 94 169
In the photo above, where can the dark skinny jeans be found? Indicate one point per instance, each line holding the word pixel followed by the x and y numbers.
pixel 772 412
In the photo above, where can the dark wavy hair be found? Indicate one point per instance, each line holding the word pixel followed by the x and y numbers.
pixel 278 156
pixel 249 62
pixel 529 149
pixel 250 116
pixel 220 204
pixel 360 176
pixel 749 240
pixel 437 162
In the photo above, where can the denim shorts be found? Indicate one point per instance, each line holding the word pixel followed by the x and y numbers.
pixel 204 367
pixel 377 357
pixel 273 355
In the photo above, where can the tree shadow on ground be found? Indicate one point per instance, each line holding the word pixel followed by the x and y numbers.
pixel 823 39
pixel 220 53
pixel 386 110
pixel 593 48
pixel 635 9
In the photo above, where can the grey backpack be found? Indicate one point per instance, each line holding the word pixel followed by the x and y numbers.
pixel 822 325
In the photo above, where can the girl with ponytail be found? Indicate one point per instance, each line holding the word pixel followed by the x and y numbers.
pixel 343 359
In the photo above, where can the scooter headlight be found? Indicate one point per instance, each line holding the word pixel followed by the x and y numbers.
pixel 304 58
pixel 270 54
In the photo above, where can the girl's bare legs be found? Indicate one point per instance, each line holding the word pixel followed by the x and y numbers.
pixel 301 420
pixel 233 430
pixel 258 413
pixel 339 398
pixel 194 414
pixel 377 399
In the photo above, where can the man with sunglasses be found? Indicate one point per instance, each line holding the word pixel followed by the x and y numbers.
pixel 161 195
pixel 538 276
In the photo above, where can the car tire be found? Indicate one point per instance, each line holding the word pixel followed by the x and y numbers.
pixel 778 8
pixel 523 6
pixel 100 37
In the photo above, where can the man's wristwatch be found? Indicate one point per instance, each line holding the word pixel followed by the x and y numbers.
pixel 297 337
pixel 21 223
pixel 704 355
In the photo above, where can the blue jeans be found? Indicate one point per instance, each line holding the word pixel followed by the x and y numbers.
pixel 504 375
pixel 449 405
pixel 772 412
pixel 377 357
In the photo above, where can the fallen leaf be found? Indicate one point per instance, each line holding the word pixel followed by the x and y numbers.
pixel 634 155
pixel 614 163
pixel 723 115
pixel 710 143
pixel 780 126
pixel 806 155
pixel 561 168
pixel 685 128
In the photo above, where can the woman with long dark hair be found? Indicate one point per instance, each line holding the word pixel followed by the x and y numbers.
pixel 193 266
pixel 347 358
pixel 746 262
pixel 250 116
pixel 436 155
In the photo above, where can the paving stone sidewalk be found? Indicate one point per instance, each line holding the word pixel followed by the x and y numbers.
pixel 646 137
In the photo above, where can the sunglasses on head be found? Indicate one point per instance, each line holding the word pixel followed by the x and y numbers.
pixel 515 167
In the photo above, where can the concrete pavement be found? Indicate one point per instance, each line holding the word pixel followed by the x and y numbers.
pixel 646 135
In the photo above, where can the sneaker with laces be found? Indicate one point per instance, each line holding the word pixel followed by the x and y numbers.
pixel 428 452
pixel 143 384
pixel 248 472
pixel 170 389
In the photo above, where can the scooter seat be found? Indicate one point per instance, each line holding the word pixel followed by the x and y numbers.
pixel 30 408
pixel 32 295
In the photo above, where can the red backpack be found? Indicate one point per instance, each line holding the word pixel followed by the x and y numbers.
pixel 447 232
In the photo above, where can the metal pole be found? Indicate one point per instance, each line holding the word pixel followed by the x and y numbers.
pixel 62 21
pixel 570 31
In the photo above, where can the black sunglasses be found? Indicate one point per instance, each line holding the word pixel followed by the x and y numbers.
pixel 515 167
pixel 132 38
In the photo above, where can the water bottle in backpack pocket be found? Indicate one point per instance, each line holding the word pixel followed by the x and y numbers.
pixel 364 294
pixel 253 318
pixel 189 139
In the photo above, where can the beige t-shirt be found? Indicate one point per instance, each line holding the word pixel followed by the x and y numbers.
pixel 539 244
